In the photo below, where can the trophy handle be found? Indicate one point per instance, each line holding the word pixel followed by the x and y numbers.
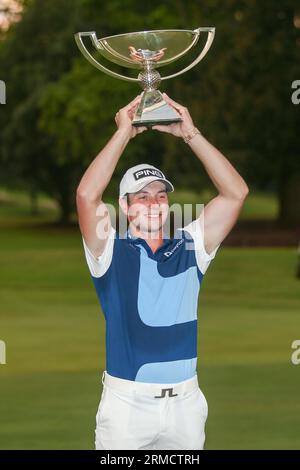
pixel 90 58
pixel 210 38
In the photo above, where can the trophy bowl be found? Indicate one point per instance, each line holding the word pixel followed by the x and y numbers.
pixel 147 51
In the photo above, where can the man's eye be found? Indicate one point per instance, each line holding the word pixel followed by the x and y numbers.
pixel 142 197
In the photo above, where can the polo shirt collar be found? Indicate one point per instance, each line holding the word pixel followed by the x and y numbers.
pixel 132 237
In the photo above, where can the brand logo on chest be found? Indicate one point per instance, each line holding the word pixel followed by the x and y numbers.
pixel 169 253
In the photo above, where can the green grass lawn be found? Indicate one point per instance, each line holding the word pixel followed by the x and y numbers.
pixel 54 331
pixel 257 205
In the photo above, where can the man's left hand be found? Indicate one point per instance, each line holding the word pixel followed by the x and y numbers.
pixel 179 129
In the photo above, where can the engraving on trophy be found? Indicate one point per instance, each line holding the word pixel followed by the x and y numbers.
pixel 147 51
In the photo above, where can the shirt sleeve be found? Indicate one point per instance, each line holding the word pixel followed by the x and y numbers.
pixel 195 229
pixel 99 265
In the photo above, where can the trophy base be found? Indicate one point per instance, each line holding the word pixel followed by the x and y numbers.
pixel 162 122
pixel 153 109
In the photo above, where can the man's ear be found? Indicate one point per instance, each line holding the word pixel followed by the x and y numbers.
pixel 123 204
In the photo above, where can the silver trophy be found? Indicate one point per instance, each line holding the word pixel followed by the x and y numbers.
pixel 147 51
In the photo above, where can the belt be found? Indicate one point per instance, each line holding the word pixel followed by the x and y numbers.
pixel 150 389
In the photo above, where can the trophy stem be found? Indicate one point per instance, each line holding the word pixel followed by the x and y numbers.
pixel 149 78
pixel 152 109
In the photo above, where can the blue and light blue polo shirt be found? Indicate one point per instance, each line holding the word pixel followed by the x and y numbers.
pixel 149 301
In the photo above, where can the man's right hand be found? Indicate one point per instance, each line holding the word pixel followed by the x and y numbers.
pixel 124 118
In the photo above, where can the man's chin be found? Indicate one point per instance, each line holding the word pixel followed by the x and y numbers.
pixel 152 229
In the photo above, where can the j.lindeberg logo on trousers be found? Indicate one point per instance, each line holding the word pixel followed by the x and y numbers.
pixel 164 391
pixel 147 172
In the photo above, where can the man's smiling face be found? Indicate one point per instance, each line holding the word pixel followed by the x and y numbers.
pixel 147 210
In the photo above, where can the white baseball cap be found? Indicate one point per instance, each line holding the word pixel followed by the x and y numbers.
pixel 139 176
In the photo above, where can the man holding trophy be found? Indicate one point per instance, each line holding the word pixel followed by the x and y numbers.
pixel 148 283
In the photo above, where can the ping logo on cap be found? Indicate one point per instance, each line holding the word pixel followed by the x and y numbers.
pixel 147 172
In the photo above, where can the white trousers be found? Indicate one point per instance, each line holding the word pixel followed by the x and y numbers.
pixel 137 415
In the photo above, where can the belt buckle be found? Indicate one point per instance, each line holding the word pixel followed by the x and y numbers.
pixel 164 392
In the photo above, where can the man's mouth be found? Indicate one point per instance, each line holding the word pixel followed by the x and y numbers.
pixel 153 216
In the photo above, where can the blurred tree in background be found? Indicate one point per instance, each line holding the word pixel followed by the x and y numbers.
pixel 60 110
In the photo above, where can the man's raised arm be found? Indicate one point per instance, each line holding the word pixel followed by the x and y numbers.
pixel 97 177
pixel 221 213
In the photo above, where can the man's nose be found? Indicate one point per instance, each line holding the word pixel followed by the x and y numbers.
pixel 153 201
